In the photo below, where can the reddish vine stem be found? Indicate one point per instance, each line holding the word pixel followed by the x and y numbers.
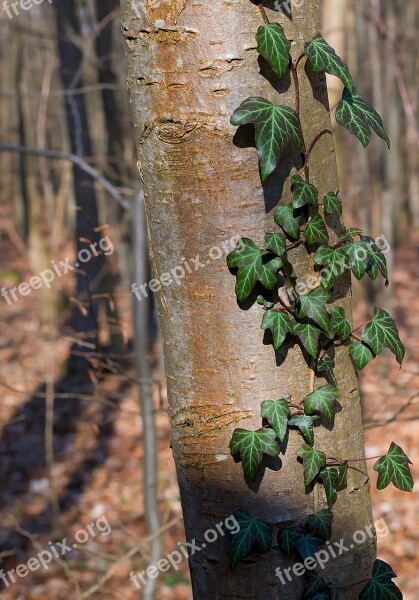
pixel 294 72
pixel 319 132
pixel 263 13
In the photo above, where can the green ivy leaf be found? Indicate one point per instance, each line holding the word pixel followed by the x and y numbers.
pixel 321 523
pixel 304 193
pixel 326 365
pixel 357 116
pixel 317 588
pixel 334 480
pixel 332 204
pixel 305 425
pixel 251 446
pixel 322 57
pixel 275 127
pixel 377 260
pixel 275 47
pixel 313 462
pixel 322 401
pixel 381 586
pixel 309 336
pixel 381 333
pixel 276 243
pixel 254 265
pixel 280 325
pixel 338 323
pixel 313 306
pixel 349 234
pixel 308 544
pixel 360 354
pixel 334 262
pixel 357 253
pixel 394 468
pixel 252 532
pixel 316 231
pixel 276 413
pixel 284 217
pixel 287 539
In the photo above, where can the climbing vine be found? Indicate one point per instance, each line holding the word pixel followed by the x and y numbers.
pixel 303 313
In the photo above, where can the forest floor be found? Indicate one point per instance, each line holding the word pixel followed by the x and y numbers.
pixel 97 474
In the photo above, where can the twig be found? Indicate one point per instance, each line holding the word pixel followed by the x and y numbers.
pixel 263 13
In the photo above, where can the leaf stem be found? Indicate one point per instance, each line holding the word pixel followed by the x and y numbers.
pixel 294 72
pixel 263 13
pixel 320 131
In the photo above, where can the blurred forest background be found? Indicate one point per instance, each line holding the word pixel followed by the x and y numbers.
pixel 74 385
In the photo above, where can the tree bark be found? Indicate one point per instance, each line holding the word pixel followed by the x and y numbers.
pixel 189 66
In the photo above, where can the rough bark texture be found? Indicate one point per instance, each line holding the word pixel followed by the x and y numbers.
pixel 190 64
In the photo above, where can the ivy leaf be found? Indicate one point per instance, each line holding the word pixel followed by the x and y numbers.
pixel 322 401
pixel 357 116
pixel 334 262
pixel 360 354
pixel 305 424
pixel 308 544
pixel 321 523
pixel 304 193
pixel 381 333
pixel 349 234
pixel 254 265
pixel 275 47
pixel 332 204
pixel 280 325
pixel 316 587
pixel 309 336
pixel 357 253
pixel 287 539
pixel 322 57
pixel 338 322
pixel 313 306
pixel 334 480
pixel 275 128
pixel 284 217
pixel 394 468
pixel 276 413
pixel 313 462
pixel 316 232
pixel 252 532
pixel 251 446
pixel 377 260
pixel 381 586
pixel 276 243
pixel 326 365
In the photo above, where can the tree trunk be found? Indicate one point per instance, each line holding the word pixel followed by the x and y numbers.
pixel 189 66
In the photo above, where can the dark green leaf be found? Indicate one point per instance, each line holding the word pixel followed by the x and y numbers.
pixel 394 468
pixel 251 446
pixel 276 413
pixel 332 204
pixel 381 333
pixel 322 57
pixel 316 232
pixel 335 262
pixel 326 365
pixel 338 322
pixel 287 539
pixel 304 193
pixel 357 253
pixel 309 337
pixel 305 425
pixel 357 116
pixel 275 47
pixel 377 261
pixel 284 217
pixel 360 354
pixel 275 128
pixel 313 306
pixel 381 586
pixel 314 584
pixel 349 234
pixel 254 265
pixel 313 462
pixel 280 325
pixel 276 243
pixel 308 544
pixel 322 401
pixel 252 532
pixel 321 523
pixel 334 480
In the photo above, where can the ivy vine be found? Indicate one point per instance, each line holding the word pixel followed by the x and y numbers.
pixel 305 316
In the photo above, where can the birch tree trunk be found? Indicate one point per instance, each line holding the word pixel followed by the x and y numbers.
pixel 189 65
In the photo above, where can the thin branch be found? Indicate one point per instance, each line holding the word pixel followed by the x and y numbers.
pixel 263 13
pixel 320 132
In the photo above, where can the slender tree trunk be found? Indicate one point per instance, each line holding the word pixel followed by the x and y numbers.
pixel 189 66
